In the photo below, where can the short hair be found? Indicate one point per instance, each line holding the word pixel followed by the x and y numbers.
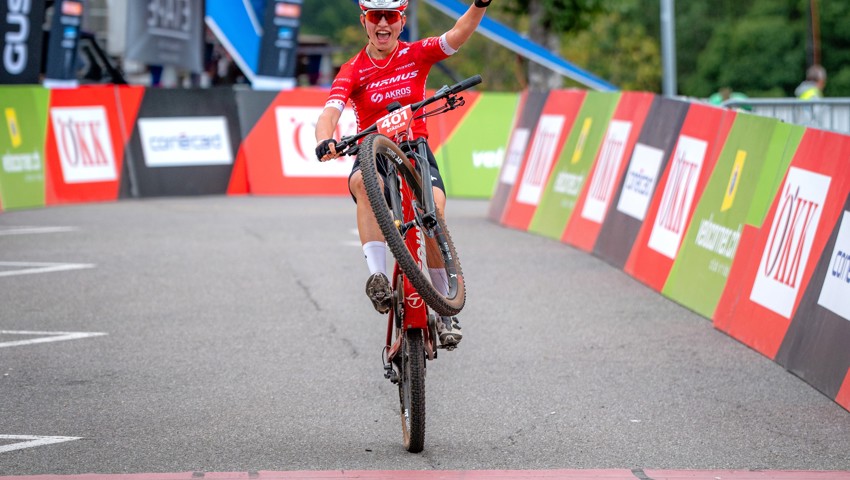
pixel 816 73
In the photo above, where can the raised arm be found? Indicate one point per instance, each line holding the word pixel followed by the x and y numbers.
pixel 466 24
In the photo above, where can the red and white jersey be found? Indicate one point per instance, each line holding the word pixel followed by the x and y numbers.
pixel 371 88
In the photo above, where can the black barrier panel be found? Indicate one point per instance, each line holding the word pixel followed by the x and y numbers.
pixel 184 142
pixel 519 143
pixel 647 163
pixel 253 104
pixel 816 346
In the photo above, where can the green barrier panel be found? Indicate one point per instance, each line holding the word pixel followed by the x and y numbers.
pixel 24 109
pixel 470 160
pixel 740 190
pixel 569 175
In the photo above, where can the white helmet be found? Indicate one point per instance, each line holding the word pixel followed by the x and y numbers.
pixel 399 5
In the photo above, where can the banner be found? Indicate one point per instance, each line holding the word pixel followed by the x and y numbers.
pixel 816 347
pixel 87 131
pixel 470 150
pixel 757 150
pixel 61 58
pixel 184 143
pixel 568 176
pixel 700 142
pixel 554 125
pixel 765 286
pixel 166 33
pixel 636 190
pixel 528 112
pixel 21 29
pixel 24 111
pixel 583 228
pixel 278 45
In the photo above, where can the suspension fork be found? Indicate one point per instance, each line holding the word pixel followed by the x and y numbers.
pixel 429 215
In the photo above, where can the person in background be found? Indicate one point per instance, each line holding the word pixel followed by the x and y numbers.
pixel 812 87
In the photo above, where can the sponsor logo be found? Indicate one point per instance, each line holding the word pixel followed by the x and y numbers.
pixel 296 140
pixel 22 162
pixel 836 284
pixel 734 181
pixel 605 171
pixel 287 10
pixel 170 18
pixel 84 142
pixel 406 65
pixel 678 196
pixel 640 181
pixel 789 243
pixel 14 129
pixel 716 238
pixel 391 95
pixel 15 52
pixel 568 183
pixel 543 150
pixel 414 300
pixel 74 9
pixel 582 139
pixel 403 51
pixel 516 151
pixel 389 81
pixel 185 141
pixel 488 159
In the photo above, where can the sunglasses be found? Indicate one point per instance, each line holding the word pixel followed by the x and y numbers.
pixel 375 16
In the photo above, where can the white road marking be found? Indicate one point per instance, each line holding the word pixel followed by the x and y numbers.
pixel 26 268
pixel 45 337
pixel 34 230
pixel 31 441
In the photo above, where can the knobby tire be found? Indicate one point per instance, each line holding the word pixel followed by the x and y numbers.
pixel 411 390
pixel 374 150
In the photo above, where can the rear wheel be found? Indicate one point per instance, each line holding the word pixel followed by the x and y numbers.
pixel 411 390
pixel 380 157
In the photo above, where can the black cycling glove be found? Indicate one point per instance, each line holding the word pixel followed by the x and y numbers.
pixel 324 148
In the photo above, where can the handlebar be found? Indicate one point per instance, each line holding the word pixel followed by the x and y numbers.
pixel 446 91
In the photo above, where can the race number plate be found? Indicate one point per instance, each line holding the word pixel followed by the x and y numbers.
pixel 394 122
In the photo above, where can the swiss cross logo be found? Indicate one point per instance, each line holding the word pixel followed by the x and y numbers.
pixel 789 243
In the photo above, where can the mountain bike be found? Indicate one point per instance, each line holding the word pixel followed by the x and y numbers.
pixel 397 178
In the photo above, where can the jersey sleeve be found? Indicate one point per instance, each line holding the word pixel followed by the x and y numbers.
pixel 341 88
pixel 436 49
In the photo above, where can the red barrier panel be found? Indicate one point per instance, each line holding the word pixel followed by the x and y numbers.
pixel 699 145
pixel 765 285
pixel 843 397
pixel 87 131
pixel 279 150
pixel 551 132
pixel 592 206
pixel 529 108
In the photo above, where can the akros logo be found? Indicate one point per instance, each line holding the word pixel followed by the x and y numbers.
pixel 379 97
pixel 789 243
pixel 84 144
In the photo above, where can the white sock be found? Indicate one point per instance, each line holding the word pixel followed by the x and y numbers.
pixel 440 280
pixel 376 257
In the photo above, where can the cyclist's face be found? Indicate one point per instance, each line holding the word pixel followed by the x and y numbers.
pixel 383 27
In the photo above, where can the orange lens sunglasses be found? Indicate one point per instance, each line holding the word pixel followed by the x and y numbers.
pixel 375 16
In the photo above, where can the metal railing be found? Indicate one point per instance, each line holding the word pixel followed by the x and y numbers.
pixel 831 114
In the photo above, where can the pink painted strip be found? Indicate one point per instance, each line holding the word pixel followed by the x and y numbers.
pixel 465 475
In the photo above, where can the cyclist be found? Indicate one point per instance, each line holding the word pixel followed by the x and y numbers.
pixel 384 71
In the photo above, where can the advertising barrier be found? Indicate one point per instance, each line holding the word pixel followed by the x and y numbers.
pixel 649 159
pixel 184 143
pixel 680 187
pixel 583 228
pixel 554 125
pixel 24 110
pixel 469 147
pixel 572 167
pixel 765 286
pixel 529 108
pixel 87 132
pixel 754 159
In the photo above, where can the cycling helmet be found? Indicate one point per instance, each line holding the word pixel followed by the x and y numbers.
pixel 399 5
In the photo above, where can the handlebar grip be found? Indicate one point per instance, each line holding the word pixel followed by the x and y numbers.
pixel 468 83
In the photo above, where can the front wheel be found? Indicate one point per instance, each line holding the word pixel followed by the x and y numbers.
pixel 411 390
pixel 380 157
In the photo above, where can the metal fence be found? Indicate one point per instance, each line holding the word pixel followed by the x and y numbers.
pixel 831 114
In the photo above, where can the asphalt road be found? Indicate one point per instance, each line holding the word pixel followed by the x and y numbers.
pixel 238 338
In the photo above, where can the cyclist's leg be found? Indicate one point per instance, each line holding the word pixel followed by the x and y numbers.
pixel 378 287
